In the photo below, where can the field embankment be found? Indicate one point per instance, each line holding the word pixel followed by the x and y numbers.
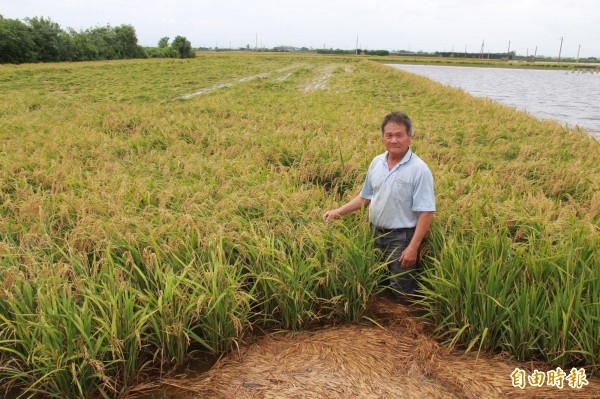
pixel 136 225
pixel 490 63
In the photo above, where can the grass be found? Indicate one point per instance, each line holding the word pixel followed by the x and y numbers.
pixel 137 227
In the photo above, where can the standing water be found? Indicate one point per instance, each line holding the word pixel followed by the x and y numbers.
pixel 571 97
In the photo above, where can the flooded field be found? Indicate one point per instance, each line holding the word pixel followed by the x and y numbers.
pixel 572 97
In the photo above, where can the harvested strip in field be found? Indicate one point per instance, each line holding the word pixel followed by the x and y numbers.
pixel 360 361
pixel 320 82
pixel 284 77
pixel 235 82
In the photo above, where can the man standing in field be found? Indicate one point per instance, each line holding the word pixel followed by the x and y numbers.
pixel 399 189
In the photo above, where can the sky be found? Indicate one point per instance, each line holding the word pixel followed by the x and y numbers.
pixel 416 25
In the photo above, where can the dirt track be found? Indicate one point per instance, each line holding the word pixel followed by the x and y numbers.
pixel 396 360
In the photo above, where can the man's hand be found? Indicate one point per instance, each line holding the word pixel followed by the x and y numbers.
pixel 331 214
pixel 409 257
pixel 353 205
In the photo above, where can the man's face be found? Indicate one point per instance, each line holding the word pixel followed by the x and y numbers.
pixel 396 139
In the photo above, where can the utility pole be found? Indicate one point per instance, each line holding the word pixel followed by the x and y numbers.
pixel 535 54
pixel 508 52
pixel 356 44
pixel 481 51
pixel 256 43
pixel 560 50
pixel 465 51
pixel 577 62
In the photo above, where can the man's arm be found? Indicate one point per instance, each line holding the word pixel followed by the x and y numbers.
pixel 354 204
pixel 409 255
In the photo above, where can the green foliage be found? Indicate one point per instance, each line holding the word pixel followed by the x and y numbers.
pixel 126 42
pixel 161 52
pixel 183 47
pixel 488 292
pixel 48 38
pixel 16 42
pixel 376 52
pixel 336 51
pixel 353 52
pixel 163 42
pixel 42 40
pixel 111 43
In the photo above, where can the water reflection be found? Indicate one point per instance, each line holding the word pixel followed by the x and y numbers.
pixel 572 97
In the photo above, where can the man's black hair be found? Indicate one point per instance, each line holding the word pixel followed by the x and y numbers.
pixel 399 118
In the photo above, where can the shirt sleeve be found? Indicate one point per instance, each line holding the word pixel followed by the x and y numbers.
pixel 367 189
pixel 423 195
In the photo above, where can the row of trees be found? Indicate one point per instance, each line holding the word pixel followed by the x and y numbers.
pixel 487 55
pixel 179 48
pixel 356 51
pixel 42 40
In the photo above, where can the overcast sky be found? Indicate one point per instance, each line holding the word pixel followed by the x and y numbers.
pixel 427 25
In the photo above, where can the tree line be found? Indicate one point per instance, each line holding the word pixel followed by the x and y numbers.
pixel 40 39
pixel 356 51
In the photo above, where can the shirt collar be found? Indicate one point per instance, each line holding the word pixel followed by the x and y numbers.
pixel 404 159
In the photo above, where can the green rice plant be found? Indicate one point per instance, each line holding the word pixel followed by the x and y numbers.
pixel 522 325
pixel 354 274
pixel 170 315
pixel 221 300
pixel 523 297
pixel 122 317
pixel 53 345
pixel 286 276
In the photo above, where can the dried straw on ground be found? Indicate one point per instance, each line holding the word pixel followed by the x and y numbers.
pixel 396 360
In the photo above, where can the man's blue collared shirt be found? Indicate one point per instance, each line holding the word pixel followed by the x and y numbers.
pixel 398 195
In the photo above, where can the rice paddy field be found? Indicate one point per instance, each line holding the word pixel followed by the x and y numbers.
pixel 154 208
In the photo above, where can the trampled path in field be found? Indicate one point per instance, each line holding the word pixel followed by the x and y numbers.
pixel 394 360
pixel 319 82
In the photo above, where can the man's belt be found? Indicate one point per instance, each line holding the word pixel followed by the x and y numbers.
pixel 399 230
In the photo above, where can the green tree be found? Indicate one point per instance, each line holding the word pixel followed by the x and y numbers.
pixel 163 42
pixel 104 40
pixel 16 42
pixel 183 47
pixel 48 39
pixel 156 52
pixel 126 42
pixel 82 47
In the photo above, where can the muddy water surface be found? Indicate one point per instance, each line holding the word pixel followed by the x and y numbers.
pixel 571 97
